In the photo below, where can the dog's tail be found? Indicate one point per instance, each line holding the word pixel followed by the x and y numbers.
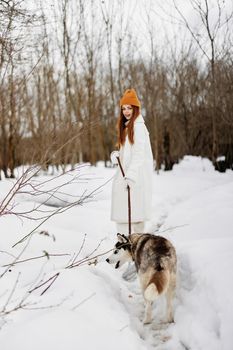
pixel 151 292
pixel 157 285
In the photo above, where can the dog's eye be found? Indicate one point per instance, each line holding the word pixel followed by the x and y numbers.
pixel 115 252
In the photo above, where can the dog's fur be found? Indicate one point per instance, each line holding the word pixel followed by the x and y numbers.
pixel 155 261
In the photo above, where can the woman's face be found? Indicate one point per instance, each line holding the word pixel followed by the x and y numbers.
pixel 127 111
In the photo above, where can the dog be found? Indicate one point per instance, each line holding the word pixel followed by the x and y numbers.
pixel 155 261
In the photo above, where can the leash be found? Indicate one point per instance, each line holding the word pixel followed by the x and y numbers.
pixel 129 200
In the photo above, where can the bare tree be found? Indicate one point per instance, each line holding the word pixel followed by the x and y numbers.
pixel 212 31
pixel 14 44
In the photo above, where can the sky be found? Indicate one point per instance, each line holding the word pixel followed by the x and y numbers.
pixel 164 22
pixel 172 22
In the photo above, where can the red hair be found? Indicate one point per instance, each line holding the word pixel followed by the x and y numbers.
pixel 124 130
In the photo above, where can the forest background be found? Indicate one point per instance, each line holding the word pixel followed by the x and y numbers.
pixel 64 65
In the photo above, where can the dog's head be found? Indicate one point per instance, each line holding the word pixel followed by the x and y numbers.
pixel 121 252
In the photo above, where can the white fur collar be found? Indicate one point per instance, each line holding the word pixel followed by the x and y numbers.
pixel 139 119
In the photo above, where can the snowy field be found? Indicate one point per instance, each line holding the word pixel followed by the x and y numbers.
pixel 90 306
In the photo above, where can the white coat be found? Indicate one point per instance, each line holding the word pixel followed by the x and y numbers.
pixel 137 162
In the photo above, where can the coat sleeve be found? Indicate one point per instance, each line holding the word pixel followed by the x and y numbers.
pixel 137 152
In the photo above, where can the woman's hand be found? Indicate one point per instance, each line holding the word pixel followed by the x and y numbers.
pixel 128 182
pixel 113 156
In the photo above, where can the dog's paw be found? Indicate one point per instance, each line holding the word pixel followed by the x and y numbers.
pixel 147 321
pixel 170 320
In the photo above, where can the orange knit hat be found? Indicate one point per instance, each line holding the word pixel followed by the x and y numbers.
pixel 130 98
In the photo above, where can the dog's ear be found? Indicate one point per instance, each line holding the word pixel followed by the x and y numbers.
pixel 122 238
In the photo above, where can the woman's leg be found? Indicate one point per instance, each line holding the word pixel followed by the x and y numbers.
pixel 138 227
pixel 122 228
pixel 130 272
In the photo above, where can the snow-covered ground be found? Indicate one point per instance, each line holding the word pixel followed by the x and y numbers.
pixel 91 306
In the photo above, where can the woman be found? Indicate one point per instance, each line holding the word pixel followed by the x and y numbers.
pixel 137 162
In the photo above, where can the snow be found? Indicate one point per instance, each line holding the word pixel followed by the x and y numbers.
pixel 91 306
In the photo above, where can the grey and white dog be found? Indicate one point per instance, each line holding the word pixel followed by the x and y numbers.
pixel 155 261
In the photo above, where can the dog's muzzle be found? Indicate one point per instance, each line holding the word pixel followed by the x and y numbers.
pixel 117 264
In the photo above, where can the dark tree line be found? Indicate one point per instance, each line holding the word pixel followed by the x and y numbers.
pixel 59 92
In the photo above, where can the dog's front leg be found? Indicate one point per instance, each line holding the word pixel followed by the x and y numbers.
pixel 148 312
pixel 169 299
